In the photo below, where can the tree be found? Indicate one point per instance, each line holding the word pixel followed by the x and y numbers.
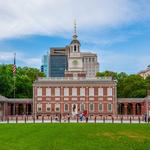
pixel 24 79
pixel 128 86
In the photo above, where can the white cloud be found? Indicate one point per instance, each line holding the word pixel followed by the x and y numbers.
pixel 21 59
pixel 52 17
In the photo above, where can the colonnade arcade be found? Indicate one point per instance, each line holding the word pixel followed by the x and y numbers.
pixel 130 108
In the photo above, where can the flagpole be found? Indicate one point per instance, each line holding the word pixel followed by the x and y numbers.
pixel 14 77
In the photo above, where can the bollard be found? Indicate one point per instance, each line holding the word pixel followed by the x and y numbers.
pixel 60 118
pixel 103 119
pixel 77 119
pixel 69 119
pixel 42 119
pixel 139 120
pixel 25 119
pixel 95 119
pixel 7 119
pixel 51 119
pixel 121 119
pixel 33 119
pixel 130 120
pixel 112 119
pixel 16 119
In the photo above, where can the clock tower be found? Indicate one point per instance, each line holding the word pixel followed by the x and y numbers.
pixel 75 63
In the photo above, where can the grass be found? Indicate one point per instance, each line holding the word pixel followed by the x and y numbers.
pixel 74 136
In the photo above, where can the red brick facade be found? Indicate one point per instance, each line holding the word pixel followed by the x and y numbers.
pixel 93 104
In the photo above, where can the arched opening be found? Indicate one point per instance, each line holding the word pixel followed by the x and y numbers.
pixel 121 109
pixel 20 109
pixel 130 109
pixel 29 109
pixel 138 109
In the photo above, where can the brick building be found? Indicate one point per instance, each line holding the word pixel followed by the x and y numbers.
pixel 73 96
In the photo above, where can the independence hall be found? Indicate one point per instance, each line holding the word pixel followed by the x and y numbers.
pixel 77 91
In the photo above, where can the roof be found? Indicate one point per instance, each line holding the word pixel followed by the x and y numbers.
pixel 74 41
pixel 88 54
pixel 3 98
pixel 131 99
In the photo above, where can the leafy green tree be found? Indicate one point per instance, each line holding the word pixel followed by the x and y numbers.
pixel 24 79
pixel 128 86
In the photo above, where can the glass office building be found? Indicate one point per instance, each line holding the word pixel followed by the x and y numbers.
pixel 57 65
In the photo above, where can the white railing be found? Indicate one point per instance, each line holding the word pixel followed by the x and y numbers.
pixel 75 78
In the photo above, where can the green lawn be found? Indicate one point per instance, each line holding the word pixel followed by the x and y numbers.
pixel 74 136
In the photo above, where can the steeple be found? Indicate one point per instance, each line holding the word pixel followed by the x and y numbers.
pixel 75 30
pixel 75 40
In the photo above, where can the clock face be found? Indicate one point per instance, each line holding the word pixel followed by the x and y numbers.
pixel 75 62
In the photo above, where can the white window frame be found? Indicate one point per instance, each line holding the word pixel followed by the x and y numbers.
pixel 109 91
pixel 108 107
pixel 57 91
pixel 91 91
pixel 39 91
pixel 48 91
pixel 65 107
pixel 100 92
pixel 66 91
pixel 99 107
pixel 74 91
pixel 90 107
pixel 39 106
pixel 82 91
pixel 48 106
pixel 57 106
pixel 82 105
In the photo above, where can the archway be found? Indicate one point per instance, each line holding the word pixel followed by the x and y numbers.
pixel 121 109
pixel 130 109
pixel 20 109
pixel 138 109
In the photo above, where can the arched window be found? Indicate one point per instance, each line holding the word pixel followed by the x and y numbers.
pixel 75 48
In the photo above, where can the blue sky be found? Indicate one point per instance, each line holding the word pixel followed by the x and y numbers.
pixel 117 30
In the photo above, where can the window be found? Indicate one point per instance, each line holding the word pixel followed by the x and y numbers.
pixel 75 48
pixel 74 91
pixel 82 91
pixel 57 91
pixel 66 108
pixel 66 91
pixel 39 91
pixel 48 91
pixel 91 91
pixel 109 91
pixel 100 91
pixel 57 107
pixel 100 107
pixel 39 107
pixel 91 107
pixel 109 107
pixel 48 107
pixel 82 107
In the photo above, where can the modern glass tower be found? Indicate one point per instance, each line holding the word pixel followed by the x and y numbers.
pixel 58 62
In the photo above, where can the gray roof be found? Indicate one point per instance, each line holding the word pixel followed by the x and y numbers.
pixel 74 41
pixel 5 99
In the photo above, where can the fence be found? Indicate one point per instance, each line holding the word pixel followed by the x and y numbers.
pixel 75 119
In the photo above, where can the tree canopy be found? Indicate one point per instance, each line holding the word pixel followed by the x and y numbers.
pixel 24 79
pixel 129 86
